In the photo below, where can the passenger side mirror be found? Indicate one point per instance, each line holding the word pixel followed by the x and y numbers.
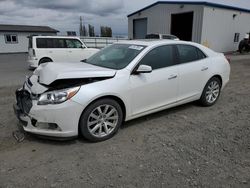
pixel 143 69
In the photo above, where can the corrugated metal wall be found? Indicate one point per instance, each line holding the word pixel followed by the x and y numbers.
pixel 159 19
pixel 220 26
pixel 212 27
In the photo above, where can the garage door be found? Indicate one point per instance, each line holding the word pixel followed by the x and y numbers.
pixel 182 25
pixel 140 28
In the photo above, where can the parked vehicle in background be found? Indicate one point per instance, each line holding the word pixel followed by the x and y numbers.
pixel 121 82
pixel 244 45
pixel 43 49
pixel 161 36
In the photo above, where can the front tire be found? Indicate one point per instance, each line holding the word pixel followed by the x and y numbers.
pixel 101 120
pixel 211 92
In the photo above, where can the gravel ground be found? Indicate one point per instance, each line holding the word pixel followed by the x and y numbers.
pixel 186 146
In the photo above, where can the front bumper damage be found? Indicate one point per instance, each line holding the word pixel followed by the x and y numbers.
pixel 58 121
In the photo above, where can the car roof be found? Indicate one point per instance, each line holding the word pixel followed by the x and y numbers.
pixel 68 37
pixel 155 42
pixel 151 43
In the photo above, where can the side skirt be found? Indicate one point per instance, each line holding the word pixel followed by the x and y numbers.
pixel 164 107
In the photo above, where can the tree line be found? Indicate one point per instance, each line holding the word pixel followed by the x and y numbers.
pixel 105 31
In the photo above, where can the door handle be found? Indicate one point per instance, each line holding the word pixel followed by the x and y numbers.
pixel 172 77
pixel 204 69
pixel 50 52
pixel 70 51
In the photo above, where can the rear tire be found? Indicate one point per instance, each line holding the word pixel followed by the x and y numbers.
pixel 101 120
pixel 244 46
pixel 44 60
pixel 211 92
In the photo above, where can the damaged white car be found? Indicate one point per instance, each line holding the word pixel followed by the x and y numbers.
pixel 119 83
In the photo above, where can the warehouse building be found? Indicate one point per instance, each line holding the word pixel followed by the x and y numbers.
pixel 217 26
pixel 14 38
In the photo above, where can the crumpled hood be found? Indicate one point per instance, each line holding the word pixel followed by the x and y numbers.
pixel 50 72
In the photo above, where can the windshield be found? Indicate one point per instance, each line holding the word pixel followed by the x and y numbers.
pixel 116 56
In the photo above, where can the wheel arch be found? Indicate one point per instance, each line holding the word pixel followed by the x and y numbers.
pixel 39 62
pixel 114 97
pixel 214 76
pixel 219 77
pixel 202 99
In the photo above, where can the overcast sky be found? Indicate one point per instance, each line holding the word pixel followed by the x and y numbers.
pixel 64 14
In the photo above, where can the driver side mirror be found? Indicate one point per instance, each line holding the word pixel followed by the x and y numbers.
pixel 143 69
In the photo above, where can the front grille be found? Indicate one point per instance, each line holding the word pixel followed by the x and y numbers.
pixel 24 100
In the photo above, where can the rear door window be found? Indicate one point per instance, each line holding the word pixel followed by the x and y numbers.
pixel 152 36
pixel 73 43
pixel 168 37
pixel 59 43
pixel 188 53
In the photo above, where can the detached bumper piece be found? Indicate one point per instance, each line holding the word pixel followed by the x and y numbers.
pixel 22 108
pixel 23 105
pixel 24 101
pixel 18 113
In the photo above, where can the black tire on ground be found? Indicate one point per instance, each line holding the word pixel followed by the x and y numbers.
pixel 241 46
pixel 44 60
pixel 84 130
pixel 203 100
pixel 243 49
pixel 244 46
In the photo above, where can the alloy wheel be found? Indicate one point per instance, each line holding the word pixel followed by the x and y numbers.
pixel 213 91
pixel 102 120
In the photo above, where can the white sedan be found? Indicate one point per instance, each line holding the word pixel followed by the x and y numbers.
pixel 119 83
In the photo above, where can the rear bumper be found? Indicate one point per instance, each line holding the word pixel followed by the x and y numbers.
pixel 226 76
pixel 224 84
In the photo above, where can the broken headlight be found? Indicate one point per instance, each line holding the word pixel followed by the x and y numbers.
pixel 57 97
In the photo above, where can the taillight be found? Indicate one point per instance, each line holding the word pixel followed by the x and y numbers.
pixel 34 52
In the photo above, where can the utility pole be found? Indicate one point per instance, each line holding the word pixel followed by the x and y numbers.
pixel 81 27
